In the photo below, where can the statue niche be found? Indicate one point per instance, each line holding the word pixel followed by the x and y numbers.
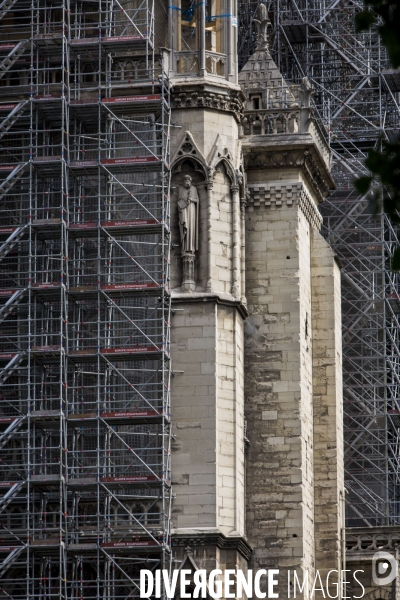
pixel 188 212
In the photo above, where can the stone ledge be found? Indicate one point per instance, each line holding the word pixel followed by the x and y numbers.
pixel 219 298
pixel 221 541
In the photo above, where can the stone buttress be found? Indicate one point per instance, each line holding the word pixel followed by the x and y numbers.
pixel 293 389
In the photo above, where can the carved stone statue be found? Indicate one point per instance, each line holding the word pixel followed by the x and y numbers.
pixel 188 208
pixel 261 21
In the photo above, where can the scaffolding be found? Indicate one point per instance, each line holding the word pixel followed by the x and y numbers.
pixel 85 301
pixel 356 100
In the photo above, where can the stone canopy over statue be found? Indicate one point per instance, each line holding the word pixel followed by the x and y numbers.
pixel 188 209
pixel 188 206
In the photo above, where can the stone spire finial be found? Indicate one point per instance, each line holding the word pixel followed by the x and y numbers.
pixel 262 22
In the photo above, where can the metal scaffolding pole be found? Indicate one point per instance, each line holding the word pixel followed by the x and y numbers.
pixel 85 305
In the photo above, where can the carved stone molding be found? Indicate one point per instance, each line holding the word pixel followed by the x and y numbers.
pixel 214 539
pixel 369 540
pixel 310 211
pixel 298 157
pixel 289 194
pixel 188 262
pixel 204 99
pixel 379 593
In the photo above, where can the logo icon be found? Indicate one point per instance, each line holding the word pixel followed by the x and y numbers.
pixel 384 568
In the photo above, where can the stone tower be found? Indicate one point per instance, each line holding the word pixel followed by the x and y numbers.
pixel 292 351
pixel 207 221
pixel 257 455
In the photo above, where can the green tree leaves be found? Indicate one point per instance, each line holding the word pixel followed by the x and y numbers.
pixel 384 165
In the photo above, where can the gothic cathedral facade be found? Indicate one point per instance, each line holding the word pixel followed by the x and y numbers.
pixel 256 327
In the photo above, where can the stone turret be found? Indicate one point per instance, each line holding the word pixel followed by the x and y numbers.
pixel 207 290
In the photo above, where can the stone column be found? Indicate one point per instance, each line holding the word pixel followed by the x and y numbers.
pixel 243 248
pixel 202 38
pixel 209 188
pixel 236 242
pixel 328 410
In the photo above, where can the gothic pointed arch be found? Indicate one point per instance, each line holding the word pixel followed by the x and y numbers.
pixel 222 154
pixel 188 150
pixel 189 564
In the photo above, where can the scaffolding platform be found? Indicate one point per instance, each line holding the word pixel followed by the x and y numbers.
pixel 117 547
pixel 143 103
pixel 122 418
pixel 6 421
pixel 48 43
pixel 112 354
pixel 8 549
pixel 127 547
pixel 132 227
pixel 46 416
pixel 48 165
pixel 118 289
pixel 119 105
pixel 116 165
pixel 48 291
pixel 48 546
pixel 140 481
pixel 9 484
pixel 49 106
pixel 115 44
pixel 47 481
pixel 47 353
pixel 134 289
pixel 6 356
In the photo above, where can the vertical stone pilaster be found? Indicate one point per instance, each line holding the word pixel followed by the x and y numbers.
pixel 209 187
pixel 243 249
pixel 235 242
pixel 328 410
pixel 278 383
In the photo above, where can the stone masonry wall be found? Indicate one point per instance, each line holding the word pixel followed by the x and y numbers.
pixel 207 411
pixel 230 421
pixel 194 349
pixel 278 388
pixel 328 412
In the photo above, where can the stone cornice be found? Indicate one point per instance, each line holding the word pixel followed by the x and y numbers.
pixel 198 95
pixel 222 299
pixel 288 193
pixel 219 540
pixel 273 152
